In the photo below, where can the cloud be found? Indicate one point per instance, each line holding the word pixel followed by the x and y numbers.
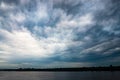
pixel 80 22
pixel 19 17
pixel 23 43
pixel 5 6
pixel 103 47
pixel 81 32
pixel 23 2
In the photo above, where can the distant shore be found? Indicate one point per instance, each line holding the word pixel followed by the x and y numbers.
pixel 109 68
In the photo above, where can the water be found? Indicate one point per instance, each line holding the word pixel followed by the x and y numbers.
pixel 59 75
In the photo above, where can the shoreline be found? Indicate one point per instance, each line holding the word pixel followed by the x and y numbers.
pixel 81 69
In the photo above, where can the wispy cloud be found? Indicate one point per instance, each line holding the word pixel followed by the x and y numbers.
pixel 59 33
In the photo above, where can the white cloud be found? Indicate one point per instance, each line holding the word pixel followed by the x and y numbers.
pixel 18 17
pixel 82 23
pixel 23 43
pixel 5 6
pixel 41 12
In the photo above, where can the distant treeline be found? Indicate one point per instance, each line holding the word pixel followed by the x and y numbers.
pixel 109 68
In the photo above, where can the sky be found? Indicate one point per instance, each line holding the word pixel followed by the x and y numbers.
pixel 59 33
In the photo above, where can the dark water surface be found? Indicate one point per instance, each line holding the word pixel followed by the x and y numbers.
pixel 59 75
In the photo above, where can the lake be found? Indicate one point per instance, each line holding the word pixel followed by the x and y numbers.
pixel 32 75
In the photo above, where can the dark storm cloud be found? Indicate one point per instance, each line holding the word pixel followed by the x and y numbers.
pixel 106 29
pixel 59 31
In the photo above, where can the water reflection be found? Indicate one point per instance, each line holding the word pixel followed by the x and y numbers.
pixel 59 76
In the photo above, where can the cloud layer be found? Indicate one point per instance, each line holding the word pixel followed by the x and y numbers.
pixel 59 33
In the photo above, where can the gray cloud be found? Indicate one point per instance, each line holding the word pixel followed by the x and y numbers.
pixel 81 32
